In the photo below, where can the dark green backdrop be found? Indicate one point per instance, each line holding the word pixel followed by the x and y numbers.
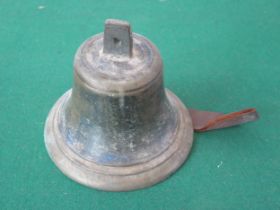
pixel 219 55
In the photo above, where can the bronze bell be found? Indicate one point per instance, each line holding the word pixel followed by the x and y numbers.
pixel 118 129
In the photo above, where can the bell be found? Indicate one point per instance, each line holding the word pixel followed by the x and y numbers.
pixel 118 129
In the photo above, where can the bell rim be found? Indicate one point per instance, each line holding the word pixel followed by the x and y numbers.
pixel 133 177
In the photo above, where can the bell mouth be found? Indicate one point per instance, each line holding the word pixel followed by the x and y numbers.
pixel 119 178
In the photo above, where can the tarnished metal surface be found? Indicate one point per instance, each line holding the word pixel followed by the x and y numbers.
pixel 118 129
pixel 119 178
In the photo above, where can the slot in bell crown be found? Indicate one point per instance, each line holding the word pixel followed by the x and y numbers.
pixel 117 38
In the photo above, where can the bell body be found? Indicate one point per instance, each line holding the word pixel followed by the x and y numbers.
pixel 118 129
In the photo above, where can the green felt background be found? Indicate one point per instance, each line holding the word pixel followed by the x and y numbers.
pixel 220 55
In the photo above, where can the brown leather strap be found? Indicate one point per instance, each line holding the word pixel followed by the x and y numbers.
pixel 205 121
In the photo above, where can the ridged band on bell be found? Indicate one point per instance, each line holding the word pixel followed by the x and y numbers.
pixel 118 119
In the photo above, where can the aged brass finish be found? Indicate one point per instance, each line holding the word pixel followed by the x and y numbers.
pixel 118 129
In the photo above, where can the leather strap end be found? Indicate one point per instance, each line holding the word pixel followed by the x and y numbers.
pixel 205 121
